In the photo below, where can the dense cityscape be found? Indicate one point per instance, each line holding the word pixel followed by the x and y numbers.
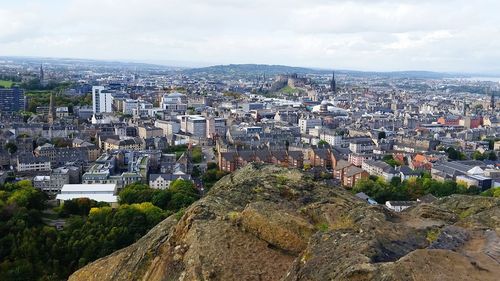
pixel 88 135
pixel 264 140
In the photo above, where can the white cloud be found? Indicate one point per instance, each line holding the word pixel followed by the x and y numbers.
pixel 452 35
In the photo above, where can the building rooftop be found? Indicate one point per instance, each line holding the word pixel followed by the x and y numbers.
pixel 88 188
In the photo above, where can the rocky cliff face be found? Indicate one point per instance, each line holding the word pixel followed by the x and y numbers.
pixel 270 223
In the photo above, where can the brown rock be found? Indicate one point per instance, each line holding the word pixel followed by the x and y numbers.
pixel 270 223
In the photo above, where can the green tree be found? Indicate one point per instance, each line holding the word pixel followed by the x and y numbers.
pixel 381 135
pixel 453 154
pixel 389 159
pixel 183 194
pixel 478 155
pixel 492 156
pixel 492 192
pixel 136 193
pixel 11 147
pixel 161 199
pixel 197 155
pixel 212 175
pixel 323 143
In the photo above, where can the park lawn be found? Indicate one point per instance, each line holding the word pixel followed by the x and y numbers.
pixel 6 84
pixel 289 90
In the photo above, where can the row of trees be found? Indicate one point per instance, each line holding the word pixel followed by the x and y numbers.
pixel 180 194
pixel 492 192
pixel 36 85
pixel 410 189
pixel 42 99
pixel 454 154
pixel 484 156
pixel 212 175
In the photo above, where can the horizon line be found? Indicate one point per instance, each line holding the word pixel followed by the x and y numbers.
pixel 199 65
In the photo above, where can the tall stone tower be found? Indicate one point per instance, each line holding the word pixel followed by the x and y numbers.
pixel 42 75
pixel 52 110
pixel 492 102
pixel 333 84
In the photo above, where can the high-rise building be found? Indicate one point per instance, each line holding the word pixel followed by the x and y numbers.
pixel 102 100
pixel 333 84
pixel 11 99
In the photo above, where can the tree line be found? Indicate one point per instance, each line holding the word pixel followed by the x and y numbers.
pixel 31 249
pixel 410 189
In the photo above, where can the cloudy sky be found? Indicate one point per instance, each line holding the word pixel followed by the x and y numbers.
pixel 440 35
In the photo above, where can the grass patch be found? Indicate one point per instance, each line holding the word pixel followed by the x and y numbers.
pixel 258 189
pixel 289 90
pixel 6 83
pixel 281 180
pixel 306 256
pixel 466 213
pixel 343 223
pixel 433 234
pixel 234 216
pixel 323 227
pixel 197 155
pixel 180 213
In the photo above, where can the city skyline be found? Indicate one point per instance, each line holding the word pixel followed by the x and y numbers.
pixel 451 36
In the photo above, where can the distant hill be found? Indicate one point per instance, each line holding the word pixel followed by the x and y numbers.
pixel 228 70
pixel 90 63
pixel 253 69
pixel 264 69
pixel 403 74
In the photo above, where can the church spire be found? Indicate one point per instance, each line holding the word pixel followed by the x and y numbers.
pixel 52 110
pixel 42 76
pixel 333 84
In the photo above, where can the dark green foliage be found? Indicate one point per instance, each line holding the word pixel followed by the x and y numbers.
pixel 410 189
pixel 492 192
pixel 42 98
pixel 32 250
pixel 137 193
pixel 483 156
pixel 11 147
pixel 175 148
pixel 389 159
pixel 79 207
pixel 492 156
pixel 180 194
pixel 196 172
pixel 478 155
pixel 36 85
pixel 211 166
pixel 381 135
pixel 323 143
pixel 453 154
pixel 178 150
pixel 62 142
pixel 197 155
pixel 212 175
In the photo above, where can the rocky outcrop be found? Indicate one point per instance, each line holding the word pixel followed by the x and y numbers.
pixel 270 223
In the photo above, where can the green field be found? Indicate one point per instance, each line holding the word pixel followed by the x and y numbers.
pixel 6 84
pixel 289 90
